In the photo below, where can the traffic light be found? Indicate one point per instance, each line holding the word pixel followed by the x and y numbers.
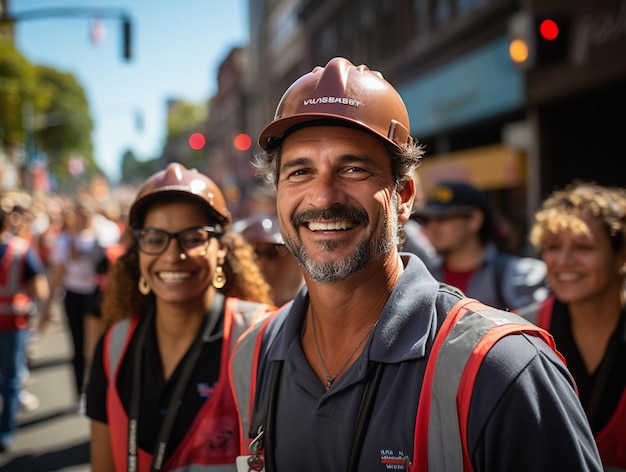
pixel 127 38
pixel 242 142
pixel 553 33
pixel 537 40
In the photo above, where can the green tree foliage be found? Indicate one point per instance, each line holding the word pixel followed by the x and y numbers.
pixel 134 172
pixel 17 86
pixel 64 127
pixel 49 105
pixel 184 117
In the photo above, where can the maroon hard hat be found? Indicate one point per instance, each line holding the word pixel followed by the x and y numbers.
pixel 178 180
pixel 341 91
pixel 259 228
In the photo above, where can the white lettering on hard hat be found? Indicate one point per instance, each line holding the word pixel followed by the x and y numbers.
pixel 338 100
pixel 197 185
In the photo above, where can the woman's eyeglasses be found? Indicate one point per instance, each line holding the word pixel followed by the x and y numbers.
pixel 270 251
pixel 192 241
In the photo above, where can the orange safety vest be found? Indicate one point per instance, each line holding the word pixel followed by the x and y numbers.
pixel 15 304
pixel 211 444
pixel 467 334
pixel 611 440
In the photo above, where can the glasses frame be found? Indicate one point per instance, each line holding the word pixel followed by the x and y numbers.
pixel 424 220
pixel 214 231
pixel 270 252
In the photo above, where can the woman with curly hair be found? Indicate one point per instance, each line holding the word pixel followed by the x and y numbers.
pixel 581 234
pixel 158 396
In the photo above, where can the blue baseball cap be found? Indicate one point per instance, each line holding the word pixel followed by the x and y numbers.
pixel 450 199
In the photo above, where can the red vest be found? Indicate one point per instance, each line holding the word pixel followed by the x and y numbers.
pixel 451 381
pixel 212 442
pixel 15 304
pixel 611 440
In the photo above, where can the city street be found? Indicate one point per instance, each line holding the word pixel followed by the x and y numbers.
pixel 54 436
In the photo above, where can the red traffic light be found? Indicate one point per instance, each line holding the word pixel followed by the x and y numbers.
pixel 549 30
pixel 242 142
pixel 196 141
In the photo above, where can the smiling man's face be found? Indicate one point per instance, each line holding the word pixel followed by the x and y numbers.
pixel 337 201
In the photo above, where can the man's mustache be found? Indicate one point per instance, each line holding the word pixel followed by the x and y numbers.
pixel 337 212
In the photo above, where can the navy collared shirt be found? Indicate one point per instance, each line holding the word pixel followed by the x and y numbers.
pixel 516 418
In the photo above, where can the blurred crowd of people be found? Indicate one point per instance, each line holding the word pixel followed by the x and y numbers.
pixel 69 242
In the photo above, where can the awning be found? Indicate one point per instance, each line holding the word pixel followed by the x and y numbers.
pixel 488 168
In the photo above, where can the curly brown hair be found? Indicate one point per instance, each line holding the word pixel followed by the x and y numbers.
pixel 561 210
pixel 121 298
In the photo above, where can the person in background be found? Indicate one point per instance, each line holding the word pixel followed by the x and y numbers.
pixel 79 250
pixel 20 223
pixel 50 232
pixel 175 303
pixel 459 224
pixel 416 240
pixel 23 282
pixel 375 364
pixel 279 267
pixel 580 231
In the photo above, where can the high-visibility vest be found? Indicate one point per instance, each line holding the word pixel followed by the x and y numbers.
pixel 15 304
pixel 218 414
pixel 611 439
pixel 440 442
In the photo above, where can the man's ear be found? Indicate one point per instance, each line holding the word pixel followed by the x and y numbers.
pixel 405 204
pixel 476 220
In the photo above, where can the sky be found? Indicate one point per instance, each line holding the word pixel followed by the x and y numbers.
pixel 177 49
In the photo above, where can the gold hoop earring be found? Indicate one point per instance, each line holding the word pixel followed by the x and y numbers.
pixel 219 278
pixel 143 286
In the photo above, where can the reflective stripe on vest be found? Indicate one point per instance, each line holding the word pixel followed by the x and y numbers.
pixel 468 333
pixel 239 315
pixel 243 373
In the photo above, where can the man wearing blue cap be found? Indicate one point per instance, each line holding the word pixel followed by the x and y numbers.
pixel 459 224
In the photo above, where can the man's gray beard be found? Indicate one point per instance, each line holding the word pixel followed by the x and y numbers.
pixel 340 270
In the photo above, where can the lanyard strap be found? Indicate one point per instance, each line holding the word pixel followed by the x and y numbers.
pixel 209 324
pixel 374 374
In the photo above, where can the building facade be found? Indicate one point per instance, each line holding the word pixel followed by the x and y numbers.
pixel 515 132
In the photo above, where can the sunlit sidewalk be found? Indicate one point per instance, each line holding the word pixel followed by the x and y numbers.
pixel 54 436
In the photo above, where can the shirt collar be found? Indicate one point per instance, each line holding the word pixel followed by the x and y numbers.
pixel 406 323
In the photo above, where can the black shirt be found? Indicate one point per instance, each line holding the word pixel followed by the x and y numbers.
pixel 611 386
pixel 156 392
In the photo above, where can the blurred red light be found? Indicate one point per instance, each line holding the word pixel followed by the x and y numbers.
pixel 197 141
pixel 242 142
pixel 549 30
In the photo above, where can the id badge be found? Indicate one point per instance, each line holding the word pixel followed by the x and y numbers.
pixel 250 464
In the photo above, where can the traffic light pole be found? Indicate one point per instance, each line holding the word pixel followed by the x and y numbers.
pixel 64 12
